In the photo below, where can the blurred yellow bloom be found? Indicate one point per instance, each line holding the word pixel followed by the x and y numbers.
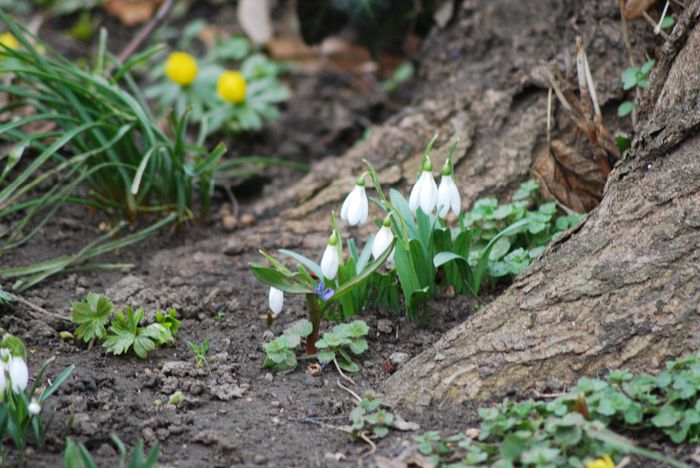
pixel 605 462
pixel 9 41
pixel 231 87
pixel 181 68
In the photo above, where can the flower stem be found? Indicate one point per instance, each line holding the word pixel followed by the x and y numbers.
pixel 314 311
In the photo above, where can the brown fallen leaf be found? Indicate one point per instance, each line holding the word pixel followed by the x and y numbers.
pixel 131 12
pixel 254 17
pixel 575 180
pixel 635 8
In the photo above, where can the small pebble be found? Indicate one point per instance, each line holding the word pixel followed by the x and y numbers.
pixel 229 222
pixel 398 358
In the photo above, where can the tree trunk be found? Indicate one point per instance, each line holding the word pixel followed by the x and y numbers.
pixel 621 290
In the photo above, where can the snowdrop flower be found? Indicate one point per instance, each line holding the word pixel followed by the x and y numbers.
pixel 34 407
pixel 355 207
pixel 276 300
pixel 330 260
pixel 383 239
pixel 19 373
pixel 424 193
pixel 3 379
pixel 448 194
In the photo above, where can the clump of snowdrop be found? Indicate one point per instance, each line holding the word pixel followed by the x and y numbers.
pixel 448 195
pixel 330 259
pixel 425 193
pixel 21 407
pixel 355 208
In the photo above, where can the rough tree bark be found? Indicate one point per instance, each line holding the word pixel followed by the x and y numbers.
pixel 621 290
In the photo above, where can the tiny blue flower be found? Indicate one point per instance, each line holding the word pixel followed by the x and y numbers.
pixel 323 292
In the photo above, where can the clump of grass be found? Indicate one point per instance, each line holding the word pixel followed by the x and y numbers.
pixel 87 137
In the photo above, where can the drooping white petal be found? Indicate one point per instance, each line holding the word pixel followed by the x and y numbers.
pixel 448 197
pixel 365 211
pixel 329 262
pixel 346 206
pixel 427 196
pixel 276 300
pixel 3 379
pixel 34 407
pixel 382 241
pixel 19 374
pixel 455 199
pixel 413 198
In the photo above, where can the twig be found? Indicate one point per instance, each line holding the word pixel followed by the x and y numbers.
pixel 657 28
pixel 625 32
pixel 38 309
pixel 653 24
pixel 354 395
pixel 549 116
pixel 342 374
pixel 146 31
pixel 364 437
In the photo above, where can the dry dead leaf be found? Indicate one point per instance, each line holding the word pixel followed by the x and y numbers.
pixel 131 12
pixel 254 16
pixel 575 180
pixel 634 8
pixel 402 425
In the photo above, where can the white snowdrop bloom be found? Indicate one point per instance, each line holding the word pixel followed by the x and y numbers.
pixel 3 379
pixel 34 407
pixel 383 239
pixel 424 193
pixel 330 260
pixel 276 300
pixel 355 207
pixel 19 373
pixel 448 195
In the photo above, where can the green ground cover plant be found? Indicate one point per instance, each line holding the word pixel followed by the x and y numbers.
pixel 582 427
pixel 125 332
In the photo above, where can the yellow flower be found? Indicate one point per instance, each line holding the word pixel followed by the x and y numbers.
pixel 605 462
pixel 181 68
pixel 231 87
pixel 9 41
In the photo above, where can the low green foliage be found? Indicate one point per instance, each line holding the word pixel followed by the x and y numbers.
pixel 92 316
pixel 126 332
pixel 6 297
pixel 280 354
pixel 169 320
pixel 200 353
pixel 576 428
pixel 78 456
pixel 93 313
pixel 337 345
pixel 371 418
pixel 635 77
